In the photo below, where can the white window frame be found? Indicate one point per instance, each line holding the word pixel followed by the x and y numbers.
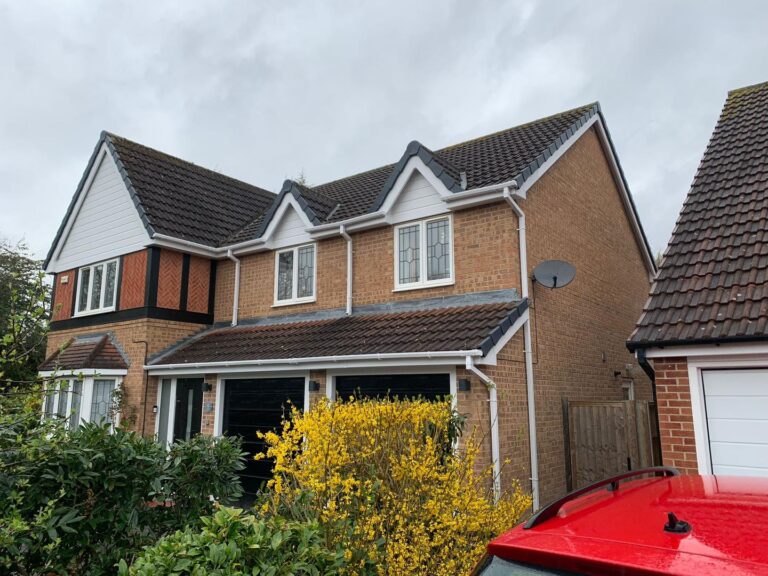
pixel 295 284
pixel 88 311
pixel 86 398
pixel 423 282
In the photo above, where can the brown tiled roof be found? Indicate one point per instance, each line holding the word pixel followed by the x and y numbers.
pixel 500 157
pixel 97 352
pixel 433 330
pixel 711 286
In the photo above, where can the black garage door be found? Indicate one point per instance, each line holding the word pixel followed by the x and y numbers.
pixel 428 386
pixel 258 405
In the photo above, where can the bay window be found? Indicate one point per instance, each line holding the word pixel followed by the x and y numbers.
pixel 295 274
pixel 97 288
pixel 83 399
pixel 424 253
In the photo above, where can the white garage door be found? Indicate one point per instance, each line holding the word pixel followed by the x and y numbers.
pixel 737 421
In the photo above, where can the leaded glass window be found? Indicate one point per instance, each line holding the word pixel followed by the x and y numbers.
pixel 97 288
pixel 438 249
pixel 423 252
pixel 74 410
pixel 101 401
pixel 295 272
pixel 63 396
pixel 409 253
pixel 306 272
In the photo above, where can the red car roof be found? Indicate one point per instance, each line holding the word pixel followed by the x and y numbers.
pixel 622 531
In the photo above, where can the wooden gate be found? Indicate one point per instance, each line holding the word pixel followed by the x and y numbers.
pixel 606 438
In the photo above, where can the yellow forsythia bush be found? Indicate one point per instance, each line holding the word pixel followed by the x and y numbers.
pixel 384 477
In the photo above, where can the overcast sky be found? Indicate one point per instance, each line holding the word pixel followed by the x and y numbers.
pixel 263 91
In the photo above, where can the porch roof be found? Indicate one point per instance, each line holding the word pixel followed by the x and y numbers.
pixel 86 352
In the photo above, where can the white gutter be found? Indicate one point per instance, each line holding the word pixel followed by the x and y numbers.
pixel 315 359
pixel 494 408
pixel 531 392
pixel 236 295
pixel 348 221
pixel 348 238
pixel 482 190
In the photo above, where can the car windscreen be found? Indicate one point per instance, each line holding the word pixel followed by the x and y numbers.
pixel 495 566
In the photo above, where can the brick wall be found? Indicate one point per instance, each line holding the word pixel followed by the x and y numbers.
pixel 169 279
pixel 478 267
pixel 64 297
pixel 199 280
pixel 134 278
pixel 574 213
pixel 129 337
pixel 673 393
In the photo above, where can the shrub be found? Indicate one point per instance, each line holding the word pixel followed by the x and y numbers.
pixel 234 543
pixel 77 501
pixel 385 480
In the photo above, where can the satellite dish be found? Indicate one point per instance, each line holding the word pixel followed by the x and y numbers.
pixel 554 273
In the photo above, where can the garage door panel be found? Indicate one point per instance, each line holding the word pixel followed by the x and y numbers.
pixel 740 454
pixel 735 430
pixel 258 405
pixel 749 407
pixel 736 404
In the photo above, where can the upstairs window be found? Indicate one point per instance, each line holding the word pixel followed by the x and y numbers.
pixel 424 254
pixel 97 288
pixel 295 275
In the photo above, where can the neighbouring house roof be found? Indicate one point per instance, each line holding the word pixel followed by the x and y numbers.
pixel 711 286
pixel 451 328
pixel 85 352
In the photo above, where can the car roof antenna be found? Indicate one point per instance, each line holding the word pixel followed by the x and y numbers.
pixel 675 525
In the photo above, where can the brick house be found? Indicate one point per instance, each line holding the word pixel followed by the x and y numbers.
pixel 210 303
pixel 703 331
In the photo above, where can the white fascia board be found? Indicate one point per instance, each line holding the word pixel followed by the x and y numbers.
pixel 490 358
pixel 186 246
pixel 617 176
pixel 83 372
pixel 318 362
pixel 707 351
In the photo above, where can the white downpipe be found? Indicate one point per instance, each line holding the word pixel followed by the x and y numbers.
pixel 493 404
pixel 530 389
pixel 236 295
pixel 348 238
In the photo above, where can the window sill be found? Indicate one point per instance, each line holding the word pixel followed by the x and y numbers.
pixel 93 312
pixel 282 303
pixel 408 287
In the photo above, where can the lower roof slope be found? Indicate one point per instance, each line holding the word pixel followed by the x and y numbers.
pixel 454 328
pixel 711 286
pixel 85 352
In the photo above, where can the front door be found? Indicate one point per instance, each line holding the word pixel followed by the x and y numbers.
pixel 189 408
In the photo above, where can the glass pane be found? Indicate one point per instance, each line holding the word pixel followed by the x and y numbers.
pixel 408 254
pixel 285 275
pixel 49 398
pixel 438 250
pixel 61 409
pixel 96 287
pixel 109 290
pixel 85 277
pixel 306 286
pixel 101 404
pixel 74 411
pixel 165 400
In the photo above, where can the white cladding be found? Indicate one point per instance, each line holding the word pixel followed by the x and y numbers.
pixel 418 199
pixel 290 228
pixel 105 221
pixel 737 421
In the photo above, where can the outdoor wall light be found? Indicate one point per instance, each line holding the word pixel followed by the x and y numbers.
pixel 208 387
pixel 314 386
pixel 465 385
pixel 154 409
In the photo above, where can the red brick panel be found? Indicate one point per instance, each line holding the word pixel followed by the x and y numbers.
pixel 134 280
pixel 199 278
pixel 678 444
pixel 62 305
pixel 169 280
